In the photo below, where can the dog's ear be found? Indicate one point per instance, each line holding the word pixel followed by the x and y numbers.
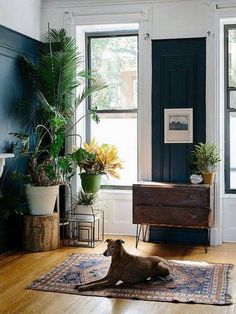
pixel 108 240
pixel 120 241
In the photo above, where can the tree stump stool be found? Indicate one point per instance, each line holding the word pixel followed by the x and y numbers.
pixel 41 233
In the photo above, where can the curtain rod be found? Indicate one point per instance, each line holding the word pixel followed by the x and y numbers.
pixel 219 7
pixel 106 13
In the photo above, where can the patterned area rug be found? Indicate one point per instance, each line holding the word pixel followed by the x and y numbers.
pixel 189 281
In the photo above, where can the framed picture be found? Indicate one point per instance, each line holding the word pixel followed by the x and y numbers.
pixel 178 125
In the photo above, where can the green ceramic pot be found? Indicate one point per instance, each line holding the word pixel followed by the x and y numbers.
pixel 90 182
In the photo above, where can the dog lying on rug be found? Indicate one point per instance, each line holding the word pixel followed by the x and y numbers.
pixel 128 268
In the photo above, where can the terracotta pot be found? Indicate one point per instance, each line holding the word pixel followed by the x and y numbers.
pixel 208 177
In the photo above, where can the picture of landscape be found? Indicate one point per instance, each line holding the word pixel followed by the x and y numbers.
pixel 178 126
pixel 178 122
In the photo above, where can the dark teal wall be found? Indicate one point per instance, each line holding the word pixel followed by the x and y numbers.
pixel 12 45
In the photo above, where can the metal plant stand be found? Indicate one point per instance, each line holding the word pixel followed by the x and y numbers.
pixel 83 229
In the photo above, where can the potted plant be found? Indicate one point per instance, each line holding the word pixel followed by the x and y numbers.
pixel 85 202
pixel 46 169
pixel 205 157
pixel 47 119
pixel 95 160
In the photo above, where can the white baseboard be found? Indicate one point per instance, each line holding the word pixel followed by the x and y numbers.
pixel 214 237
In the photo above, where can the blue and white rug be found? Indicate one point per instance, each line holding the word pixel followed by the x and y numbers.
pixel 189 281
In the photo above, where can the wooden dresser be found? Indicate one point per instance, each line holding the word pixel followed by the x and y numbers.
pixel 172 205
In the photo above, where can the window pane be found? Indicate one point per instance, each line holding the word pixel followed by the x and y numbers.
pixel 115 58
pixel 120 131
pixel 232 57
pixel 232 150
pixel 232 99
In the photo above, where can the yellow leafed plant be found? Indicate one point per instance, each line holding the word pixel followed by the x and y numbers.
pixel 106 156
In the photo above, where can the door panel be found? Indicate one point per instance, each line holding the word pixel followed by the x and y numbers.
pixel 178 81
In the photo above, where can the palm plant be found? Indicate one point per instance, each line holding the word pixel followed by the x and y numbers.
pixel 53 82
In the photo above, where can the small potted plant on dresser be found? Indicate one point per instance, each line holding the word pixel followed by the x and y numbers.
pixel 95 160
pixel 205 157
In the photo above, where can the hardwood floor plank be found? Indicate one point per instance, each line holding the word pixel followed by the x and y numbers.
pixel 18 269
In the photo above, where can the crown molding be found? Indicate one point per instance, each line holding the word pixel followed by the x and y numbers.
pixel 88 3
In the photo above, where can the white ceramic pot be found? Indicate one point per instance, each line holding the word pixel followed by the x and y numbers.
pixel 41 199
pixel 196 178
pixel 84 209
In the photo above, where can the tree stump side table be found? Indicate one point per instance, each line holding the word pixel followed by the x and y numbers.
pixel 41 233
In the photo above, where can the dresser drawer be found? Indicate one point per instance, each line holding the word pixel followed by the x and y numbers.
pixel 171 216
pixel 188 196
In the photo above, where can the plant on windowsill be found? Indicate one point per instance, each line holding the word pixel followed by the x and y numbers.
pixel 95 160
pixel 205 158
pixel 52 83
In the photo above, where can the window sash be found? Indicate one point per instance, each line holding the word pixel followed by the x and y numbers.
pixel 108 112
pixel 109 34
pixel 228 109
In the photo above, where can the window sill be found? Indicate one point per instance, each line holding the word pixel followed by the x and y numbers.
pixel 228 196
pixel 116 191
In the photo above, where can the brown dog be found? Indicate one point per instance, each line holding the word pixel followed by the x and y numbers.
pixel 128 268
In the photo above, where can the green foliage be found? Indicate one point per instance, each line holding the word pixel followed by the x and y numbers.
pixel 97 159
pixel 84 198
pixel 48 119
pixel 12 204
pixel 54 81
pixel 66 166
pixel 45 165
pixel 205 157
pixel 86 161
pixel 109 56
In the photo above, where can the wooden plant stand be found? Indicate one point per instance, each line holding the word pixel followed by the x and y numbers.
pixel 41 233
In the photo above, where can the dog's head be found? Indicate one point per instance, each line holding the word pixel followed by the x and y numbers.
pixel 113 247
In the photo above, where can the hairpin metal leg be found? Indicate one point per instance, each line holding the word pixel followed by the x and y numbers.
pixel 207 240
pixel 138 230
pixel 145 233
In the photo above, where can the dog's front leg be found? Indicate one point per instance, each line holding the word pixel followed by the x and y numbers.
pixel 98 283
pixel 91 282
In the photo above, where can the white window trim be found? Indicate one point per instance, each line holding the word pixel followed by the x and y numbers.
pixel 144 19
pixel 217 18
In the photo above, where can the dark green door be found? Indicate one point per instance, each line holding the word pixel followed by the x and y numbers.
pixel 178 81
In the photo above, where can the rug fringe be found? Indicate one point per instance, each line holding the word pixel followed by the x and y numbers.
pixel 231 290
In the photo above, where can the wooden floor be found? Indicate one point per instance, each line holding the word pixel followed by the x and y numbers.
pixel 19 269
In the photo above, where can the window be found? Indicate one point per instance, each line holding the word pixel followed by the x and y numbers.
pixel 115 56
pixel 230 108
